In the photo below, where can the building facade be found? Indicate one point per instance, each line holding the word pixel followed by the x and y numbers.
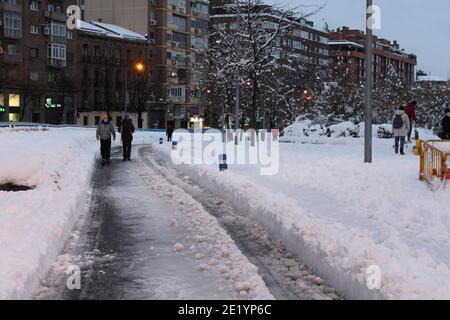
pixel 307 41
pixel 37 73
pixel 178 33
pixel 347 50
pixel 106 55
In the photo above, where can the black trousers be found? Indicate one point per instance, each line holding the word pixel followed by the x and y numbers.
pixel 126 144
pixel 105 149
pixel 401 141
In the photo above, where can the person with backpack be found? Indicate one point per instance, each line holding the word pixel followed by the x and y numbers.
pixel 400 127
pixel 411 112
pixel 127 130
pixel 446 125
pixel 104 132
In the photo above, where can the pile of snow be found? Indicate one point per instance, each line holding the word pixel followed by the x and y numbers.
pixel 35 224
pixel 342 217
pixel 306 131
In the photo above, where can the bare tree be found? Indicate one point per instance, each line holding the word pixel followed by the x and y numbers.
pixel 254 50
pixel 140 91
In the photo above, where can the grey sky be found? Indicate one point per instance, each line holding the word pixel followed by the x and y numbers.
pixel 421 26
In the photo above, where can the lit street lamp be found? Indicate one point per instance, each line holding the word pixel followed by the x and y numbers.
pixel 138 67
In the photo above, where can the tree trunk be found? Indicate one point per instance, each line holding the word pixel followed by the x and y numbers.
pixel 140 120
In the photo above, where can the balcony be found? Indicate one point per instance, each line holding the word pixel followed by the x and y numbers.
pixel 56 63
pixel 10 7
pixel 57 16
pixel 13 58
pixel 181 99
pixel 177 63
pixel 12 33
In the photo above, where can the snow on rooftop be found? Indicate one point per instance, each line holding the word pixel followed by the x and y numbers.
pixel 344 42
pixel 121 31
pixel 109 30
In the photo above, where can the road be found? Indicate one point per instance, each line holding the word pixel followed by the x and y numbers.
pixel 130 244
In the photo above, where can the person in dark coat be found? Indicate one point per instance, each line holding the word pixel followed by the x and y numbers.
pixel 446 125
pixel 127 130
pixel 410 110
pixel 104 133
pixel 169 133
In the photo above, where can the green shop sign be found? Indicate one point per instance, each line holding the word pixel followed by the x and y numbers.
pixel 2 108
pixel 49 103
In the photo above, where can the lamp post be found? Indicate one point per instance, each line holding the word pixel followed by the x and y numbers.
pixel 368 85
pixel 138 67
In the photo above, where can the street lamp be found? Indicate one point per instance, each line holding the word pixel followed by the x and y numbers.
pixel 368 85
pixel 138 67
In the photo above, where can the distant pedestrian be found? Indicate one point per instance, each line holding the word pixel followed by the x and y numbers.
pixel 400 127
pixel 104 132
pixel 411 112
pixel 127 130
pixel 446 125
pixel 169 133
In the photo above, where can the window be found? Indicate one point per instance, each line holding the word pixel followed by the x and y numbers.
pixel 51 77
pixel 177 37
pixel 13 24
pixel 97 120
pixel 297 44
pixel 34 76
pixel 34 29
pixel 14 100
pixel 13 117
pixel 69 35
pixel 34 52
pixel 12 49
pixel 85 120
pixel 177 20
pixel 56 51
pixel 176 91
pixel 34 5
pixel 58 29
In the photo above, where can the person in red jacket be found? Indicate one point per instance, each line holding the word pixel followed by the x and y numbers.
pixel 411 112
pixel 127 130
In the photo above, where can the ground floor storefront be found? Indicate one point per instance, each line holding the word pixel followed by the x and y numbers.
pixel 16 106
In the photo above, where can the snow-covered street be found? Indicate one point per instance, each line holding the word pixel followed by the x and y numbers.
pixel 150 229
pixel 165 245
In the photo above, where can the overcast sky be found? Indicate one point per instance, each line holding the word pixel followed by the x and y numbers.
pixel 421 26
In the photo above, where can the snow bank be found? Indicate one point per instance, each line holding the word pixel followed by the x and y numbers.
pixel 305 131
pixel 35 224
pixel 341 216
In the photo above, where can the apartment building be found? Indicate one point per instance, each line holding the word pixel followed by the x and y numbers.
pixel 307 41
pixel 178 33
pixel 347 49
pixel 37 64
pixel 106 56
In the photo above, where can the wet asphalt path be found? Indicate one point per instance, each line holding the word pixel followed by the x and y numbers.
pixel 125 246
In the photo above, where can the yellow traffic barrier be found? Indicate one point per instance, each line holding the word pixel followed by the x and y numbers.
pixel 433 161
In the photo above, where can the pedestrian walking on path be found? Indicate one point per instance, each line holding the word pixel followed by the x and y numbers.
pixel 411 112
pixel 104 132
pixel 400 126
pixel 127 131
pixel 169 133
